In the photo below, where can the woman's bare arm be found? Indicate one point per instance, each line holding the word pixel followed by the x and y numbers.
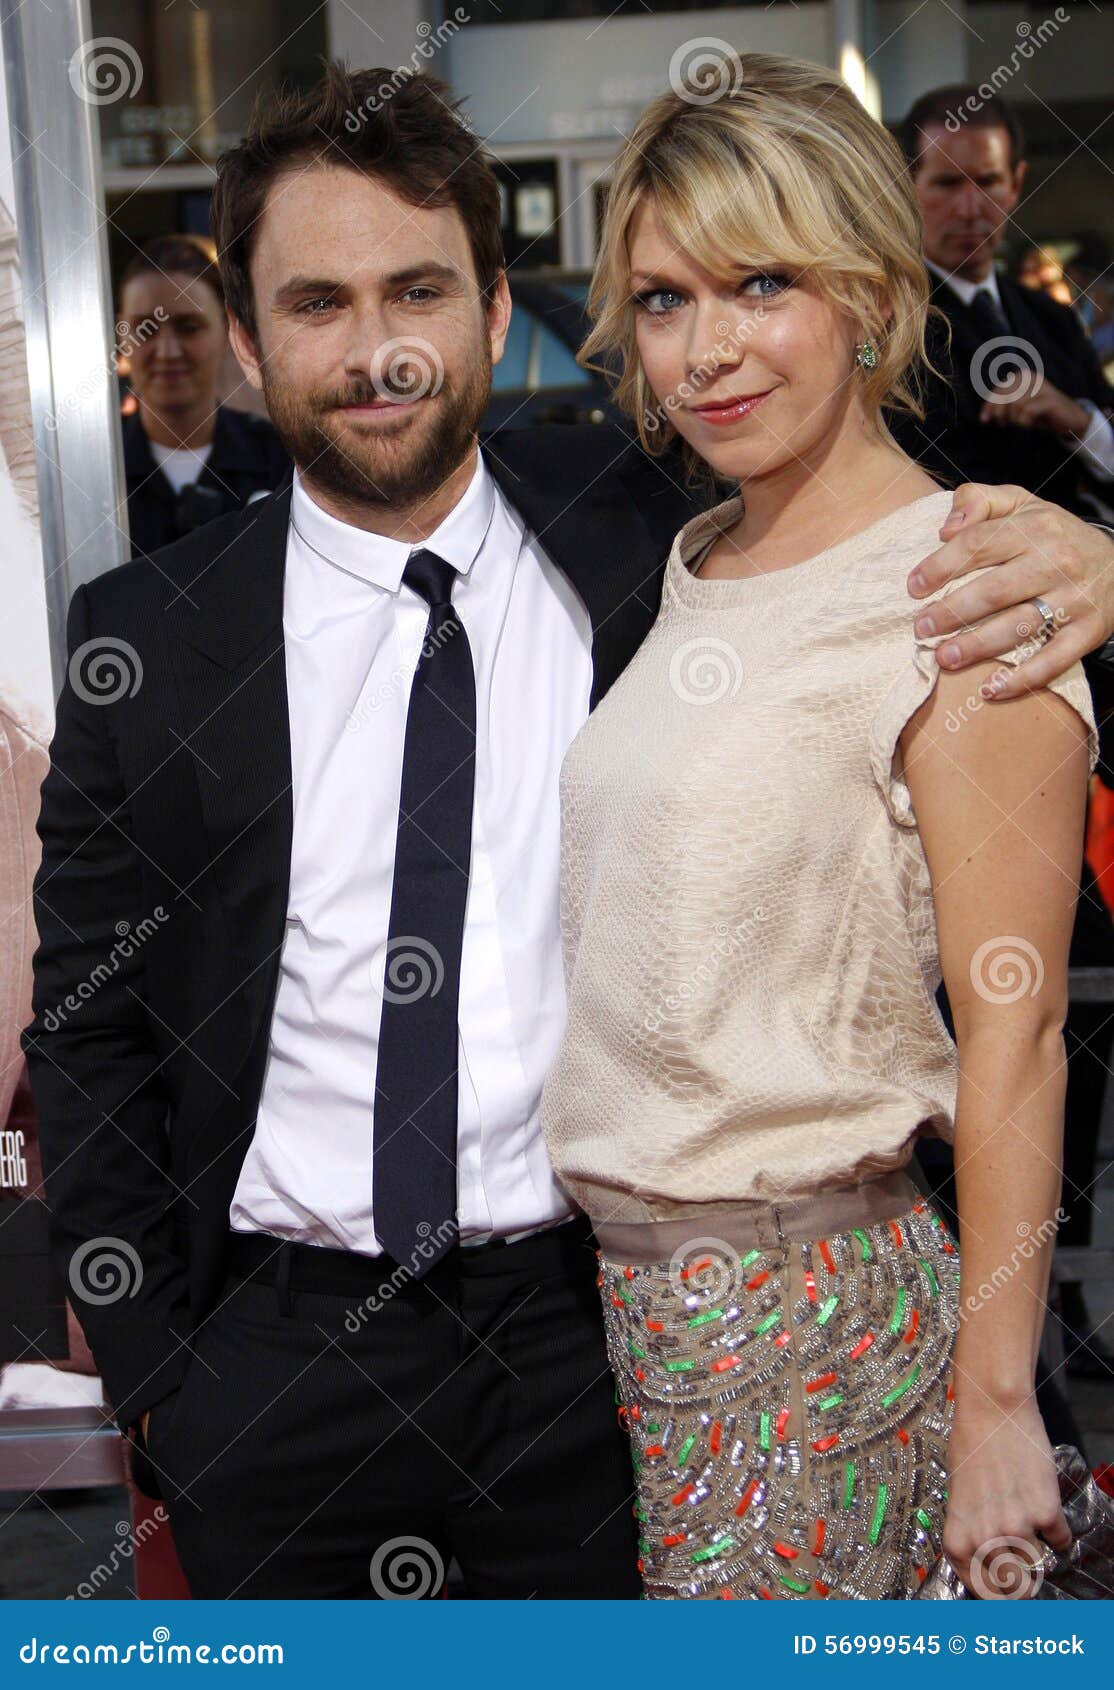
pixel 999 793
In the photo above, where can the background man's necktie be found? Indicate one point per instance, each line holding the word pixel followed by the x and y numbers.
pixel 414 1191
pixel 988 316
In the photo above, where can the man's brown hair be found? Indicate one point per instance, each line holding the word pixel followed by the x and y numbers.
pixel 402 127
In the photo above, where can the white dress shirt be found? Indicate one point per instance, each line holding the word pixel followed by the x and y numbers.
pixel 353 634
pixel 1096 446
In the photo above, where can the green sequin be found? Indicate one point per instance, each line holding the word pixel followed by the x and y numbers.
pixel 683 1452
pixel 931 1272
pixel 703 1319
pixel 848 1482
pixel 898 1317
pixel 764 1429
pixel 826 1310
pixel 751 1256
pixel 925 1519
pixel 633 1349
pixel 764 1325
pixel 879 1513
pixel 799 1585
pixel 858 1233
pixel 830 1402
pixel 716 1548
pixel 679 1366
pixel 899 1390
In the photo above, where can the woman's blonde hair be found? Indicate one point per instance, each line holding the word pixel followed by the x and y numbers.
pixel 779 167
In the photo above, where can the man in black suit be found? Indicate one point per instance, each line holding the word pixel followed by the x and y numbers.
pixel 299 974
pixel 186 458
pixel 1025 400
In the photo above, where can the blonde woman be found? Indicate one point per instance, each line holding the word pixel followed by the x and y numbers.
pixel 781 826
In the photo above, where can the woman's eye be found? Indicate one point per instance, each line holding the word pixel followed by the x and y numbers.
pixel 778 277
pixel 652 294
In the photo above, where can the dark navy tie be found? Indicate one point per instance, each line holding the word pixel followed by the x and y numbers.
pixel 988 316
pixel 415 1115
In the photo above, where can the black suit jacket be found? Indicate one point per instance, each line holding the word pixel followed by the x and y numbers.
pixel 953 445
pixel 247 458
pixel 166 825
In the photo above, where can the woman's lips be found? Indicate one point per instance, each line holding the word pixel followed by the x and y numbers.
pixel 719 415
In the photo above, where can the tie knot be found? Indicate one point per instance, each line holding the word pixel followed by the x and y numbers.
pixel 431 576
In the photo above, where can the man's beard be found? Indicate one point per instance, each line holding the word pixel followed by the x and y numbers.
pixel 397 468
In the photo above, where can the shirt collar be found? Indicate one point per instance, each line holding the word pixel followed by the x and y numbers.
pixel 964 288
pixel 377 558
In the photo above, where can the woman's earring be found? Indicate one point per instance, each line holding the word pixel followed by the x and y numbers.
pixel 866 355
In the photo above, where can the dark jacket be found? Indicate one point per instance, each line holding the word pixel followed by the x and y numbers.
pixel 954 446
pixel 166 826
pixel 247 458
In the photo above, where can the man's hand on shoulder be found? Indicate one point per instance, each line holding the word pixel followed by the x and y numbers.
pixel 1041 551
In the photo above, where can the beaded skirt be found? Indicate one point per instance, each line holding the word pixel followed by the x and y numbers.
pixel 789 1410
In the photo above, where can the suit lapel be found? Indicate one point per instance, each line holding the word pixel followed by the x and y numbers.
pixel 592 530
pixel 229 667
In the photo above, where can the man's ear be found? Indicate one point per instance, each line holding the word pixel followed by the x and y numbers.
pixel 499 316
pixel 246 351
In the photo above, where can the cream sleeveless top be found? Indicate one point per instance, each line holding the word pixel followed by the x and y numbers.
pixel 747 915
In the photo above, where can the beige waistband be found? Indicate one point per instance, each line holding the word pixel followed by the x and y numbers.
pixel 745 1225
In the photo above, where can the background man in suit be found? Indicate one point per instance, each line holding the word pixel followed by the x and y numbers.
pixel 299 977
pixel 187 458
pixel 1026 401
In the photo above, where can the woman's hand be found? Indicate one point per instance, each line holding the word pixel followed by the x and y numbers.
pixel 1003 1500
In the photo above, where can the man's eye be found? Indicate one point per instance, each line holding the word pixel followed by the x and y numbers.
pixel 316 307
pixel 428 293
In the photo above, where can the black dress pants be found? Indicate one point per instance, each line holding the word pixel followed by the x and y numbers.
pixel 340 1433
